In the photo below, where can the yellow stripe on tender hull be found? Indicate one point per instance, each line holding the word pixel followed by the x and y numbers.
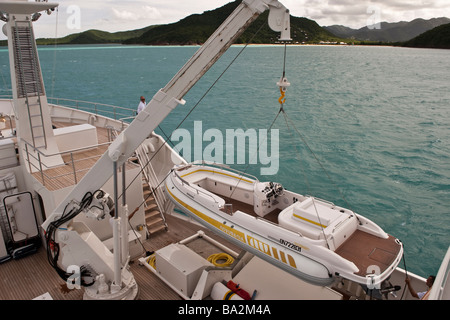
pixel 229 231
pixel 238 235
pixel 218 172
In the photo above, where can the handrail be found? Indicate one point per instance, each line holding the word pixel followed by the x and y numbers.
pixel 151 179
pixel 68 151
pixel 221 166
pixel 125 115
pixel 181 179
pixel 42 166
pixel 112 111
pixel 76 105
pixel 198 191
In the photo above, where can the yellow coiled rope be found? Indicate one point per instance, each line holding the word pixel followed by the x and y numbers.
pixel 214 258
pixel 151 261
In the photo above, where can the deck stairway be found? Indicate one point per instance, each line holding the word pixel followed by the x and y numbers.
pixel 29 82
pixel 154 219
pixel 153 196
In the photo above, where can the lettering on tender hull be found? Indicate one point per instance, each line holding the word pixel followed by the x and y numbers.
pixel 291 245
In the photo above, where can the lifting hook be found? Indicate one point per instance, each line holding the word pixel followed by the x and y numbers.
pixel 283 84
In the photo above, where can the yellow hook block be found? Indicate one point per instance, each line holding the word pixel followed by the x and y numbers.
pixel 282 99
pixel 283 84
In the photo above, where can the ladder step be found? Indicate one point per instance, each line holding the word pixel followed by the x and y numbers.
pixel 37 124
pixel 145 186
pixel 151 213
pixel 151 206
pixel 156 228
pixel 154 222
pixel 148 195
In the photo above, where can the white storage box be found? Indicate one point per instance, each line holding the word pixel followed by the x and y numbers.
pixel 180 266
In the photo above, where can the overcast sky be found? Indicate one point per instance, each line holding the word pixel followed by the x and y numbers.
pixel 114 15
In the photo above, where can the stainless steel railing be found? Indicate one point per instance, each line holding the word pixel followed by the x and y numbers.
pixel 107 110
pixel 36 159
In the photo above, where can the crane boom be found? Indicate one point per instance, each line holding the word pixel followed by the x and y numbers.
pixel 79 247
pixel 166 99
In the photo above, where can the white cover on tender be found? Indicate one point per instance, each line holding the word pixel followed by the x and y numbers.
pixel 314 218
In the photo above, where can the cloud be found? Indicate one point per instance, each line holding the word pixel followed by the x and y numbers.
pixel 360 13
pixel 115 15
pixel 145 12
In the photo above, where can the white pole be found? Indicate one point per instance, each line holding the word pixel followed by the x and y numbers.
pixel 124 218
pixel 116 285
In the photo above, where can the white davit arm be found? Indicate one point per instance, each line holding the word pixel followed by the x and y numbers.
pixel 166 99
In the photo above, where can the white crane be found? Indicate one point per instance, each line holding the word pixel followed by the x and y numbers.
pixel 78 243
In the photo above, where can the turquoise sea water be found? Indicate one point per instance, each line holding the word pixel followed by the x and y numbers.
pixel 377 118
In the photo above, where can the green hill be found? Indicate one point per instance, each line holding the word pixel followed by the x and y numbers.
pixel 95 37
pixel 389 32
pixel 196 28
pixel 438 37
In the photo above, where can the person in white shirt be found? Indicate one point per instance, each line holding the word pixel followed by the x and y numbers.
pixel 141 105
